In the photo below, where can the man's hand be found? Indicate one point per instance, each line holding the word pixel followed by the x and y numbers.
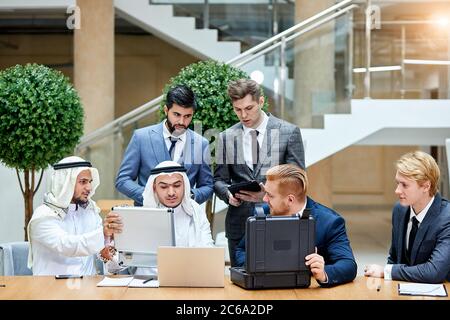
pixel 317 265
pixel 374 270
pixel 112 224
pixel 107 253
pixel 251 196
pixel 233 201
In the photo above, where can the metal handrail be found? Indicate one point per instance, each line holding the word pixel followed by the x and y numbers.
pixel 126 119
pixel 296 35
pixel 289 34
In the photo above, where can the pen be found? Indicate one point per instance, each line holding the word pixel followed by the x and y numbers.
pixel 147 280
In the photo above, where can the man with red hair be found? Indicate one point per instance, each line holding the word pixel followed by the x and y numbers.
pixel 285 193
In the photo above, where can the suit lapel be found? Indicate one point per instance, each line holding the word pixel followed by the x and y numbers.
pixel 403 213
pixel 157 142
pixel 426 223
pixel 271 136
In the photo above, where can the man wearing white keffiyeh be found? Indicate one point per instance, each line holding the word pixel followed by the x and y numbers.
pixel 66 230
pixel 168 187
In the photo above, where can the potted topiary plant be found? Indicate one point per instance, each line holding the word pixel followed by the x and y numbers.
pixel 209 81
pixel 41 121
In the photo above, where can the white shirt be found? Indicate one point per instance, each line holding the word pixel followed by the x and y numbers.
pixel 419 216
pixel 247 139
pixel 65 246
pixel 300 213
pixel 179 146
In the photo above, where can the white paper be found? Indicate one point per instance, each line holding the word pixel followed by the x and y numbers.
pixel 114 282
pixel 422 289
pixel 139 283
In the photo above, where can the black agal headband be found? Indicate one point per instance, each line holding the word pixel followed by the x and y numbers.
pixel 59 166
pixel 168 170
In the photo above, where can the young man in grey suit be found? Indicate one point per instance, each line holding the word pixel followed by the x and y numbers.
pixel 168 140
pixel 420 248
pixel 246 151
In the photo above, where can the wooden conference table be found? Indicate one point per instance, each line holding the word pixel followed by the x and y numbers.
pixel 48 288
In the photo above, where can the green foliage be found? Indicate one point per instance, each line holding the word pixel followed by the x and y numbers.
pixel 209 80
pixel 41 117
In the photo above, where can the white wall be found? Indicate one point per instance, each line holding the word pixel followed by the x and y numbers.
pixel 12 212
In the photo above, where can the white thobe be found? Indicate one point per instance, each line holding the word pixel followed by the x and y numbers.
pixel 68 245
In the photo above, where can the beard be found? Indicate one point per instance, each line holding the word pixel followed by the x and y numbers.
pixel 80 202
pixel 282 209
pixel 174 130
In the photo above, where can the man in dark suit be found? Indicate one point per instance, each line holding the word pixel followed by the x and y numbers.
pixel 420 248
pixel 169 140
pixel 245 151
pixel 286 189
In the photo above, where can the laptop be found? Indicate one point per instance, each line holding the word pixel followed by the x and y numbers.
pixel 191 267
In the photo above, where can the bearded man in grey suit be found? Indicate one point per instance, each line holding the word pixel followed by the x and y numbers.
pixel 245 152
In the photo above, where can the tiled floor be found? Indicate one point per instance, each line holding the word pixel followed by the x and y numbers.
pixel 369 232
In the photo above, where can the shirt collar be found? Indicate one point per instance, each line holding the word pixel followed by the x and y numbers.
pixel 261 128
pixel 421 215
pixel 300 213
pixel 167 134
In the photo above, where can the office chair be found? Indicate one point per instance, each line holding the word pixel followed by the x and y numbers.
pixel 14 258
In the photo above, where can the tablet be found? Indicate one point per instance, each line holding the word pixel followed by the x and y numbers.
pixel 144 229
pixel 246 186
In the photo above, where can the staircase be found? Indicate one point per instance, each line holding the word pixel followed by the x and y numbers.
pixel 178 31
pixel 181 32
pixel 376 122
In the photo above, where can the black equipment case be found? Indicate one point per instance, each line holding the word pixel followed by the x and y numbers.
pixel 276 247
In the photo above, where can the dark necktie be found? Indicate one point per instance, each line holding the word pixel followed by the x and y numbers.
pixel 255 147
pixel 412 235
pixel 173 142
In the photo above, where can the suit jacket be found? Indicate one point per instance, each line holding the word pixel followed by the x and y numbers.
pixel 282 144
pixel 331 241
pixel 430 253
pixel 147 149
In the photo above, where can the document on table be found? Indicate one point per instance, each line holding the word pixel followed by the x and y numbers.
pixel 422 289
pixel 143 283
pixel 114 282
pixel 136 282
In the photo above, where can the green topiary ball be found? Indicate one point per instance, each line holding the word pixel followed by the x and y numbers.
pixel 41 116
pixel 209 81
